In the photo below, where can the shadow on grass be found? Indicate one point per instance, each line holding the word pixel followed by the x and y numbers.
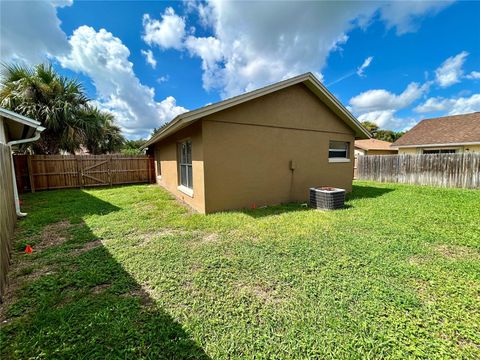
pixel 358 192
pixel 75 300
pixel 367 192
pixel 274 210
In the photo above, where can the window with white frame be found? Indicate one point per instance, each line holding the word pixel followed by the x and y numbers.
pixel 338 150
pixel 440 151
pixel 185 150
pixel 158 164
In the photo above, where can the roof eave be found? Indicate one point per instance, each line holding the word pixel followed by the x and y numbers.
pixel 184 119
pixel 21 119
pixel 438 144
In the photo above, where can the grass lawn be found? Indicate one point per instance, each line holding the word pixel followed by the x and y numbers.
pixel 127 272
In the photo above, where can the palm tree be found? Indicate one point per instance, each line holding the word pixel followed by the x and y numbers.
pixel 59 103
pixel 105 137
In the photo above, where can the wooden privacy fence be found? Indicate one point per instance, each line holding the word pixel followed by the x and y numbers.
pixel 445 170
pixel 8 215
pixel 43 172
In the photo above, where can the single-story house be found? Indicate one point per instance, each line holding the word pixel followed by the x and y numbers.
pixel 264 147
pixel 444 135
pixel 373 147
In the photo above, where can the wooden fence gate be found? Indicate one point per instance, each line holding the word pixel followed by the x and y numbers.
pixel 43 172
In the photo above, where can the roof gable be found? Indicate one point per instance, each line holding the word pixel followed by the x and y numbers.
pixel 307 79
pixel 373 144
pixel 456 129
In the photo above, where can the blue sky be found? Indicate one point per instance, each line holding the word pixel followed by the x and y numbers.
pixel 148 61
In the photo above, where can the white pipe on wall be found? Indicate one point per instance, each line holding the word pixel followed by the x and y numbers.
pixel 15 190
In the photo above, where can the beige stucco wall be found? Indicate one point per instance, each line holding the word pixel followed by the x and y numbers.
pixel 472 148
pixel 167 170
pixel 382 152
pixel 248 150
pixel 359 151
pixel 408 151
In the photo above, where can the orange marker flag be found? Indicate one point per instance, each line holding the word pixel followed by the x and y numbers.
pixel 28 249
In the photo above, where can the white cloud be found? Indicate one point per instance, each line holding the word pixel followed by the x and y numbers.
pixel 380 106
pixel 30 30
pixel 163 78
pixel 473 75
pixel 104 58
pixel 165 33
pixel 450 72
pixel 209 49
pixel 405 16
pixel 255 43
pixel 381 99
pixel 387 119
pixel 366 63
pixel 149 58
pixel 453 106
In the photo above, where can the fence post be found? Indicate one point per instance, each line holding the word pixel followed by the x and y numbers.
pixel 30 173
pixel 79 170
pixel 109 168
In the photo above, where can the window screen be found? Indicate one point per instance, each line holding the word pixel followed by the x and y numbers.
pixel 440 151
pixel 185 150
pixel 158 165
pixel 338 149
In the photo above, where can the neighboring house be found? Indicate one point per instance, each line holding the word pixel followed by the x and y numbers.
pixel 15 130
pixel 264 147
pixel 444 135
pixel 373 147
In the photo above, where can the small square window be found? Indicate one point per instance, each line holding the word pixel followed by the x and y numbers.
pixel 338 150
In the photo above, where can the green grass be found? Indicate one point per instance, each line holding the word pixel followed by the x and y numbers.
pixel 395 275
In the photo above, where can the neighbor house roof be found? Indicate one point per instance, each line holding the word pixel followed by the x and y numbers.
pixel 449 130
pixel 373 144
pixel 308 79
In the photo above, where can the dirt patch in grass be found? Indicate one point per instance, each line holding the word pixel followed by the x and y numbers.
pixel 146 238
pixel 457 252
pixel 419 259
pixel 452 252
pixel 198 239
pixel 424 291
pixel 18 276
pixel 53 235
pixel 265 293
pixel 99 288
pixel 87 247
pixel 143 294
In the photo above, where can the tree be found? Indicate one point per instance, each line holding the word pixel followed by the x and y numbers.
pixel 60 105
pixel 382 134
pixel 388 135
pixel 371 127
pixel 156 130
pixel 132 147
pixel 105 137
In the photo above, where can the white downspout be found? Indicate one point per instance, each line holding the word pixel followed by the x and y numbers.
pixel 15 190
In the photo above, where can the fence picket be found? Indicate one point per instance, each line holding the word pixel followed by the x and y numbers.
pixel 444 170
pixel 68 171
